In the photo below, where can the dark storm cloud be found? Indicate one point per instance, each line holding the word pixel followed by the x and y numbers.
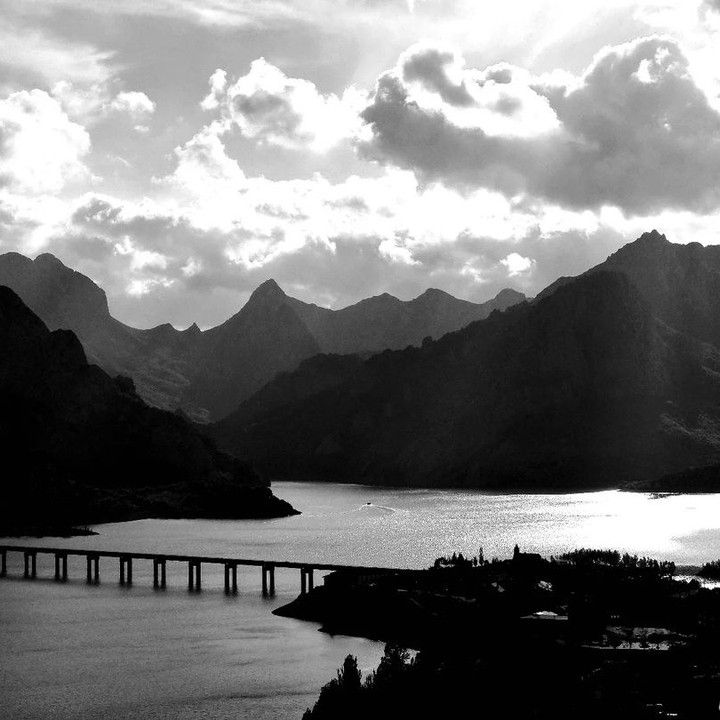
pixel 636 132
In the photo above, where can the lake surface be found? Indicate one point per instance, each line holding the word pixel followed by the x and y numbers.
pixel 76 651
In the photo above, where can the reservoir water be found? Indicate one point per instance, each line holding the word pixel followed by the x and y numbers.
pixel 75 651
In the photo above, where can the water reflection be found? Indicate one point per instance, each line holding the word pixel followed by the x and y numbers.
pixel 69 650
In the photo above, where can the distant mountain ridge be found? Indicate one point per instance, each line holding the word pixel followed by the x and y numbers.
pixel 208 373
pixel 607 378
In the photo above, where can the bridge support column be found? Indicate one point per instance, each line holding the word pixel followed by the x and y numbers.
pixel 93 569
pixel 307 581
pixel 30 564
pixel 231 585
pixel 268 579
pixel 159 576
pixel 61 566
pixel 3 563
pixel 125 570
pixel 194 575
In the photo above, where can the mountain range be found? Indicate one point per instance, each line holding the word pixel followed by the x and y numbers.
pixel 604 379
pixel 209 373
pixel 81 447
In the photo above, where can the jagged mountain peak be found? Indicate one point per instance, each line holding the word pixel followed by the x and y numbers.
pixel 267 289
pixel 61 296
pixel 653 236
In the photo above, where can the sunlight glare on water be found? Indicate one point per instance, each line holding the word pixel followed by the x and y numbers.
pixel 70 651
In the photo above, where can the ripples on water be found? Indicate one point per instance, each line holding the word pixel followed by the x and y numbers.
pixel 72 651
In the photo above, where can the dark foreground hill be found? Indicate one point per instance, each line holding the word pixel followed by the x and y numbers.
pixel 81 447
pixel 207 374
pixel 588 387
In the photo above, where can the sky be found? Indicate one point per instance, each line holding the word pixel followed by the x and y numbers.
pixel 181 152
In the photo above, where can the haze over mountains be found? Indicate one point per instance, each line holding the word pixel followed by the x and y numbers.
pixel 610 377
pixel 81 447
pixel 207 374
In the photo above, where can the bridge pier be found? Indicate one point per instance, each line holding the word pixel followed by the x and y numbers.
pixel 194 575
pixel 231 571
pixel 125 570
pixel 159 578
pixel 61 560
pixel 93 569
pixel 195 562
pixel 30 564
pixel 268 579
pixel 307 581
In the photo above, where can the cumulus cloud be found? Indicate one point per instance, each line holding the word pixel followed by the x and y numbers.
pixel 516 264
pixel 41 149
pixel 267 105
pixel 634 131
pixel 135 104
pixel 90 103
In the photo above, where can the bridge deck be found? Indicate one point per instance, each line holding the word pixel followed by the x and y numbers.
pixel 197 558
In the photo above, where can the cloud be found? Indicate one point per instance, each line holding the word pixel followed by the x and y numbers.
pixel 634 131
pixel 516 264
pixel 135 104
pixel 272 108
pixel 441 70
pixel 53 59
pixel 92 103
pixel 41 149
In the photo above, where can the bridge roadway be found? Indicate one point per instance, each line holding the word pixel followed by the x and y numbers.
pixel 195 563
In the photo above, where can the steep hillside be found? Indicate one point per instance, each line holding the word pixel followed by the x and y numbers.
pixel 207 374
pixel 585 388
pixel 238 357
pixel 79 446
pixel 158 360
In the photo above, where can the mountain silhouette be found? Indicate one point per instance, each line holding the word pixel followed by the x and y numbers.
pixel 80 446
pixel 238 357
pixel 596 383
pixel 208 373
pixel 158 360
pixel 386 323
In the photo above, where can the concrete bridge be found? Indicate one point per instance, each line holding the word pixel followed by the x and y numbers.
pixel 160 560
